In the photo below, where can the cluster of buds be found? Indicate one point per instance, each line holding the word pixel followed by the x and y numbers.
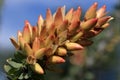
pixel 54 37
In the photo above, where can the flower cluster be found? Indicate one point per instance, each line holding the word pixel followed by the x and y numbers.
pixel 58 35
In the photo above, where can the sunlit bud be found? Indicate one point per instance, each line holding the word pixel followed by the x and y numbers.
pixel 58 17
pixel 19 34
pixel 49 40
pixel 63 11
pixel 40 53
pixel 105 25
pixel 102 21
pixel 26 32
pixel 34 33
pixel 63 27
pixel 38 68
pixel 91 12
pixel 56 60
pixel 77 37
pixel 61 51
pixel 28 49
pixel 16 45
pixel 49 18
pixel 40 24
pixel 87 25
pixel 22 42
pixel 36 44
pixel 73 26
pixel 101 12
pixel 73 46
pixel 76 15
pixel 69 15
pixel 52 28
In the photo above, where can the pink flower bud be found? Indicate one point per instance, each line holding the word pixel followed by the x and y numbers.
pixel 38 68
pixel 73 46
pixel 49 18
pixel 40 53
pixel 91 12
pixel 102 21
pixel 69 15
pixel 27 32
pixel 36 44
pixel 56 60
pixel 58 19
pixel 28 49
pixel 87 25
pixel 101 12
pixel 40 24
pixel 61 51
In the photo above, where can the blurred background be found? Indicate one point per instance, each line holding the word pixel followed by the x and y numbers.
pixel 99 61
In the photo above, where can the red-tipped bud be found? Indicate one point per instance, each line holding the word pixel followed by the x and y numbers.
pixel 101 12
pixel 36 44
pixel 73 46
pixel 91 12
pixel 27 32
pixel 61 51
pixel 56 60
pixel 40 23
pixel 76 15
pixel 28 49
pixel 49 18
pixel 38 68
pixel 21 42
pixel 102 21
pixel 58 17
pixel 88 24
pixel 69 15
pixel 40 53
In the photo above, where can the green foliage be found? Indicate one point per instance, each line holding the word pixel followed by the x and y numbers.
pixel 18 69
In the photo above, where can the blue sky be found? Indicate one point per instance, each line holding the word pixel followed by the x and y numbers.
pixel 15 12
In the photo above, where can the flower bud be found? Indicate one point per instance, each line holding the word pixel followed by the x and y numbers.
pixel 21 42
pixel 105 25
pixel 58 17
pixel 28 49
pixel 91 12
pixel 61 51
pixel 40 24
pixel 56 60
pixel 27 32
pixel 36 44
pixel 34 33
pixel 77 37
pixel 69 15
pixel 38 68
pixel 76 15
pixel 87 25
pixel 101 12
pixel 16 45
pixel 73 46
pixel 49 18
pixel 40 53
pixel 102 21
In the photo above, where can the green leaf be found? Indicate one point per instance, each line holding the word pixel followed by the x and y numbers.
pixel 14 64
pixel 21 77
pixel 19 57
pixel 26 76
pixel 7 68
